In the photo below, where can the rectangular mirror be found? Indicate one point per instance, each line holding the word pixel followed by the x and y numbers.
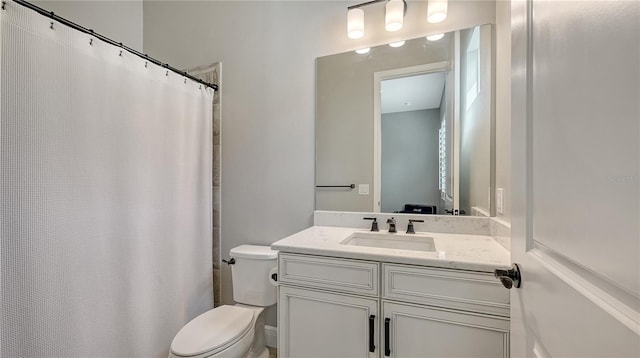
pixel 409 128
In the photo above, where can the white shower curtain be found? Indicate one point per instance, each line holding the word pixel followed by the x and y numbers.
pixel 105 190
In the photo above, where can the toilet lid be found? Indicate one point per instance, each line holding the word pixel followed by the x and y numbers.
pixel 212 330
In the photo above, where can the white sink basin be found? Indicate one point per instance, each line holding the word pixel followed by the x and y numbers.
pixel 391 241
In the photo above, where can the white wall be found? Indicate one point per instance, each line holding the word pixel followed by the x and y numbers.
pixel 119 20
pixel 267 50
pixel 503 104
pixel 475 123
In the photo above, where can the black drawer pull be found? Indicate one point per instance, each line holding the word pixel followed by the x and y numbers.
pixel 387 348
pixel 372 322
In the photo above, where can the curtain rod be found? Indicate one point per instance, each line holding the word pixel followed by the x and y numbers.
pixel 80 28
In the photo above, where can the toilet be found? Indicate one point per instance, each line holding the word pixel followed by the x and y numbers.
pixel 234 331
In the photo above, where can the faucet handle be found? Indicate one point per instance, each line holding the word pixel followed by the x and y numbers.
pixel 392 225
pixel 374 224
pixel 410 229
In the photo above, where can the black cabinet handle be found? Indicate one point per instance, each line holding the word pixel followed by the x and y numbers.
pixel 387 348
pixel 372 327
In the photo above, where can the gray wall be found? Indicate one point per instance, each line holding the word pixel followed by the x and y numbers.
pixel 121 21
pixel 409 159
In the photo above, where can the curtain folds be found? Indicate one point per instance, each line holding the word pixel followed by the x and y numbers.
pixel 105 195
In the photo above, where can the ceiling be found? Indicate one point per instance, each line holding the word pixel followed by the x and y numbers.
pixel 412 93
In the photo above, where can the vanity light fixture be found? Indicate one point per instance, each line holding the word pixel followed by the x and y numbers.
pixel 394 15
pixel 396 44
pixel 393 19
pixel 436 11
pixel 435 37
pixel 355 23
pixel 363 51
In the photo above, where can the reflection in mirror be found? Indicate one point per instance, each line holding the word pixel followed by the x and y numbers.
pixel 413 110
pixel 411 127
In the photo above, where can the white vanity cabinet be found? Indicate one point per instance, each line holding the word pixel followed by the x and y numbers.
pixel 336 307
pixel 316 318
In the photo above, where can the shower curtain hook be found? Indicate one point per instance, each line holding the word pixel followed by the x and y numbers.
pixel 185 80
pixel 53 16
pixel 120 53
pixel 3 5
pixel 90 42
pixel 167 74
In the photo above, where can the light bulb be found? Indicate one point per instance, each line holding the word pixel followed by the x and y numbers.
pixel 396 44
pixel 394 15
pixel 355 23
pixel 435 37
pixel 363 51
pixel 436 11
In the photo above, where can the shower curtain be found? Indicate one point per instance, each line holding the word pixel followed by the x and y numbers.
pixel 105 193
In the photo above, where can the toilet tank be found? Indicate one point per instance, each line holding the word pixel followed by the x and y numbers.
pixel 250 275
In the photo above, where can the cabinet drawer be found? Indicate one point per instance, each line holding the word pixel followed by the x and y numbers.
pixel 335 274
pixel 465 290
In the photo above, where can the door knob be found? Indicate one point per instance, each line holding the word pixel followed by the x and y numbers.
pixel 509 278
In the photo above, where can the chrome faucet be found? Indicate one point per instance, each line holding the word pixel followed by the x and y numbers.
pixel 392 224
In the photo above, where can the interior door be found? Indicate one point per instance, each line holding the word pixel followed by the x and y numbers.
pixel 576 183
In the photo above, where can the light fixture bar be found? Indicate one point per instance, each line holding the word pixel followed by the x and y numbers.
pixel 364 4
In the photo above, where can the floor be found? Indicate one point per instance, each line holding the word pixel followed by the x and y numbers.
pixel 273 352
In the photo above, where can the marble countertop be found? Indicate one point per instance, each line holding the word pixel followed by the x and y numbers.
pixel 457 251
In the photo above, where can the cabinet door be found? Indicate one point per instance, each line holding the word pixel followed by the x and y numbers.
pixel 415 331
pixel 313 324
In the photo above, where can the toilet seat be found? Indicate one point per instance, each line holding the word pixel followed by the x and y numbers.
pixel 213 331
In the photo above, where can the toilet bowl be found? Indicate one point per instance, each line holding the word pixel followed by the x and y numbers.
pixel 234 331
